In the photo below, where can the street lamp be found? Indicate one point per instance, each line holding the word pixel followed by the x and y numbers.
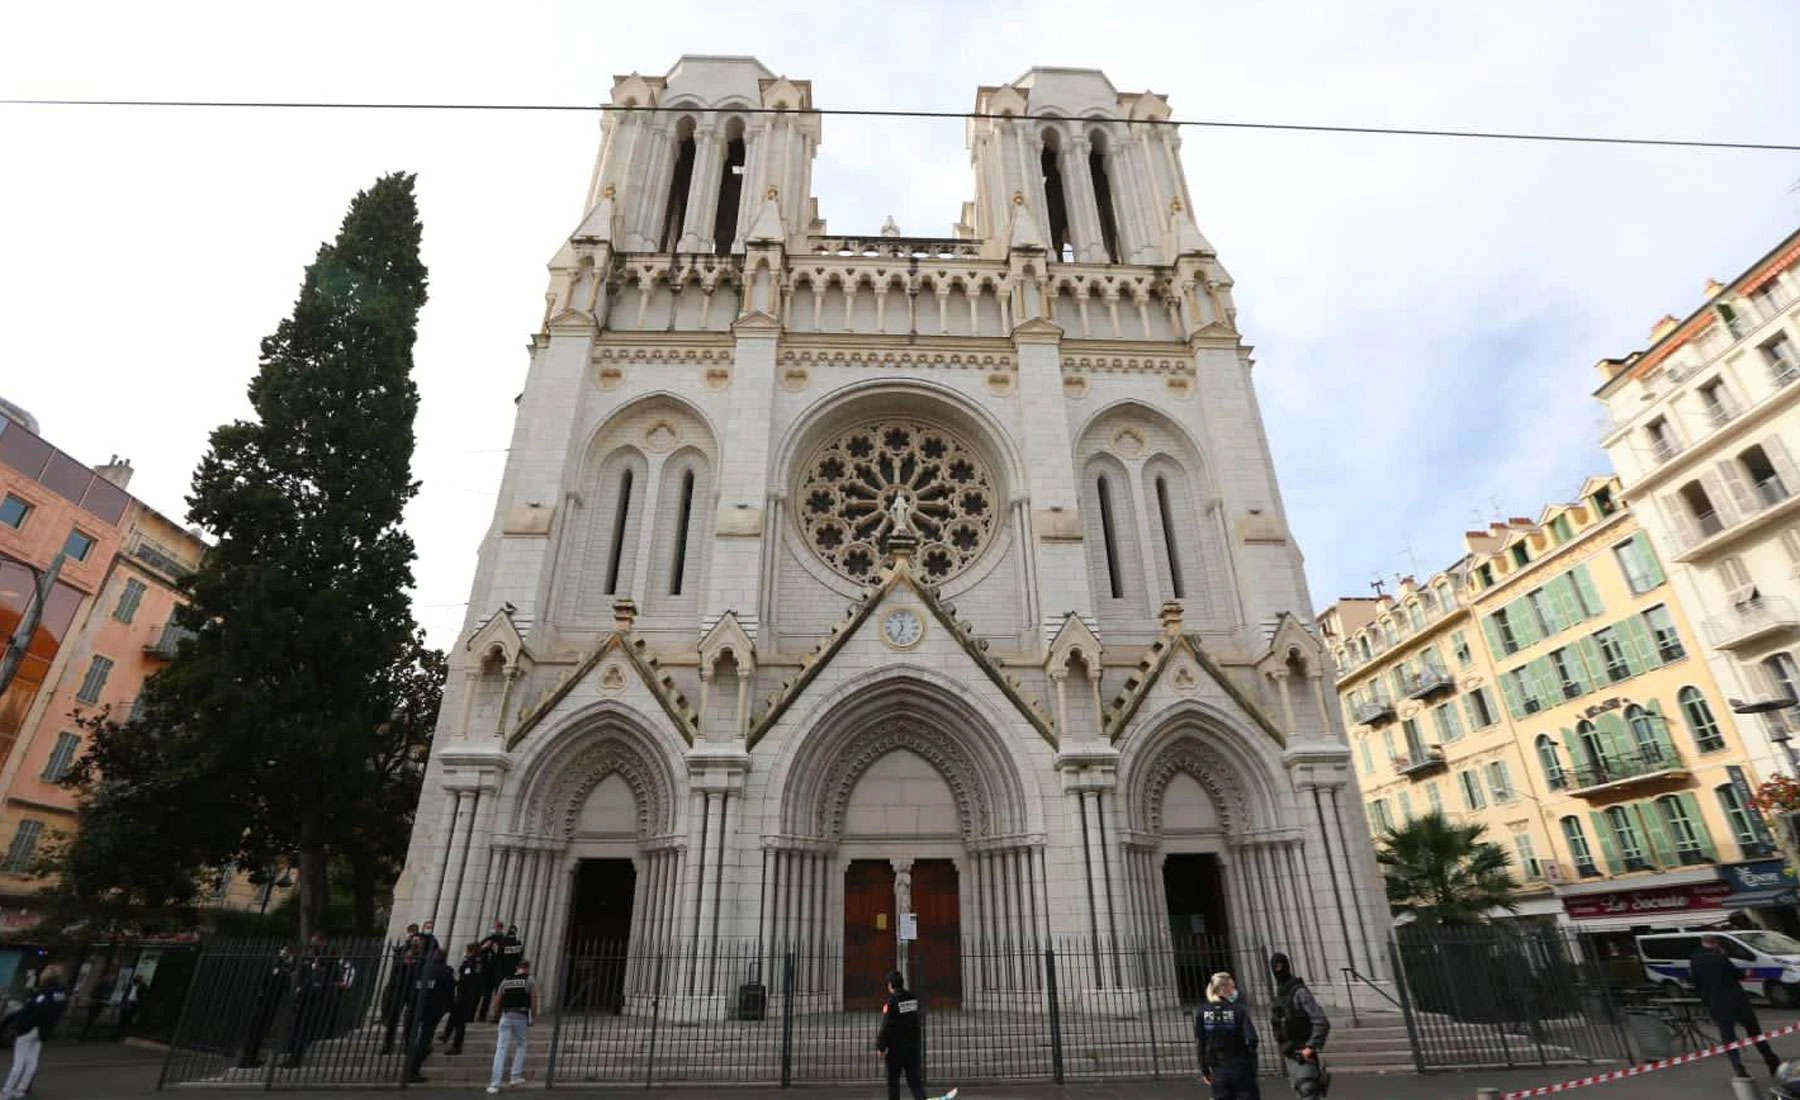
pixel 1778 733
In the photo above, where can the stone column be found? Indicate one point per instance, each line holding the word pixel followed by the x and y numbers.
pixel 703 190
pixel 1084 204
pixel 468 801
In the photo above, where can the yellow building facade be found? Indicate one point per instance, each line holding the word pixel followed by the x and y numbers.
pixel 1550 687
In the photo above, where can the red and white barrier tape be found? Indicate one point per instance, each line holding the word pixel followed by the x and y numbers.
pixel 1651 1067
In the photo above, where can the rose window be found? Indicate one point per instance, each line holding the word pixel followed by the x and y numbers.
pixel 848 492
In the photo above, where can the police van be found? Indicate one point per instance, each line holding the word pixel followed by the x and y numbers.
pixel 1768 962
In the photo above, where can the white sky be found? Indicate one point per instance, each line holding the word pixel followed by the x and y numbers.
pixel 1426 313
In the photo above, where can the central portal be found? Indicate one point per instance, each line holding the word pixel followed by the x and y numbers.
pixel 872 931
pixel 1193 887
pixel 599 933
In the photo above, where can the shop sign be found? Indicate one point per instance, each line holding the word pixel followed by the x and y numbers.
pixel 1762 874
pixel 1649 904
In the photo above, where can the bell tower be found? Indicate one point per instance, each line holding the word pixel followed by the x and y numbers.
pixel 692 175
pixel 1097 169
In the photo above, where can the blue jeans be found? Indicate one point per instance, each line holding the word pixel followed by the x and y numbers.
pixel 512 1035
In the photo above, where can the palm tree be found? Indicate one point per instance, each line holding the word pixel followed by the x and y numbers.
pixel 1443 873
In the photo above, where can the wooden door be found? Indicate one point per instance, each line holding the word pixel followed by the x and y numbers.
pixel 868 932
pixel 937 954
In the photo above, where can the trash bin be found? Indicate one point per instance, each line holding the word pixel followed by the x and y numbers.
pixel 1650 1035
pixel 753 998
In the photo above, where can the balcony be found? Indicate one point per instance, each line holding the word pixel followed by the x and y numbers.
pixel 1752 621
pixel 1769 497
pixel 1721 411
pixel 1623 775
pixel 1663 448
pixel 1783 371
pixel 1427 683
pixel 1372 712
pixel 168 640
pixel 896 248
pixel 1420 762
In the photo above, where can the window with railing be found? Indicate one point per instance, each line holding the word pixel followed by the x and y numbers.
pixel 1700 510
pixel 1716 402
pixel 1743 827
pixel 1499 781
pixel 1481 710
pixel 1770 299
pixel 1555 776
pixel 1449 726
pixel 1528 860
pixel 1690 847
pixel 1784 364
pixel 1473 799
pixel 1661 625
pixel 1663 444
pixel 1459 645
pixel 1766 481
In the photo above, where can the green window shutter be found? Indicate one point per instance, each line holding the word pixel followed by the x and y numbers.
pixel 1562 598
pixel 1699 822
pixel 1578 669
pixel 1608 849
pixel 1496 640
pixel 1655 831
pixel 1662 730
pixel 1584 585
pixel 1614 737
pixel 1549 684
pixel 1640 647
pixel 1647 555
pixel 1510 688
pixel 1573 754
pixel 1522 621
pixel 1593 659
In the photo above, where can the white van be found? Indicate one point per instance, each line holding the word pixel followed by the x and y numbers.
pixel 1768 962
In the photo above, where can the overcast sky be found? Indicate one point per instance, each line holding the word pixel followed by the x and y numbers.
pixel 1426 313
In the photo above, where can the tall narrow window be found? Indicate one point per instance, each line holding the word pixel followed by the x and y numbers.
pixel 1109 222
pixel 675 211
pixel 1056 205
pixel 678 567
pixel 1578 847
pixel 1109 536
pixel 1700 719
pixel 731 188
pixel 24 843
pixel 621 521
pixel 1168 533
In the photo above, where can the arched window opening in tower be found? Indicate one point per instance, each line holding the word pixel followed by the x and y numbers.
pixel 1168 533
pixel 731 188
pixel 675 210
pixel 1109 222
pixel 1056 207
pixel 1109 537
pixel 678 567
pixel 621 523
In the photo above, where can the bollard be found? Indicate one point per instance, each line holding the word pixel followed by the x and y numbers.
pixel 1744 1088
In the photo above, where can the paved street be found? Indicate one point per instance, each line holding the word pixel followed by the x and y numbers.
pixel 106 1072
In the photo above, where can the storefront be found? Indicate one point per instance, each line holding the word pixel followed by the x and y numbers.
pixel 1609 920
pixel 1764 890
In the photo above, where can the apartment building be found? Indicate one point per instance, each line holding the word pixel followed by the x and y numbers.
pixel 106 627
pixel 1549 686
pixel 1702 427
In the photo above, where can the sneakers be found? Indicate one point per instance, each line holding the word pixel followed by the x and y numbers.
pixel 493 1090
pixel 516 1083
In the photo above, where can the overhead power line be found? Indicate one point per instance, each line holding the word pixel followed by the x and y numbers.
pixel 870 112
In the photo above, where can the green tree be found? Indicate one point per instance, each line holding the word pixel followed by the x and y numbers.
pixel 1443 873
pixel 257 741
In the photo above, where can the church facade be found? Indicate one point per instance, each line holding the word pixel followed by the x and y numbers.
pixel 834 579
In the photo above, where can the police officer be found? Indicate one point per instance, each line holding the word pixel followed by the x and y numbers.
pixel 898 1040
pixel 271 990
pixel 1226 1038
pixel 471 988
pixel 1301 1028
pixel 315 1007
pixel 515 1006
pixel 402 983
pixel 490 960
pixel 1719 983
pixel 436 989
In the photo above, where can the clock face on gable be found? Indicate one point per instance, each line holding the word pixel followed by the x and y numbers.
pixel 902 628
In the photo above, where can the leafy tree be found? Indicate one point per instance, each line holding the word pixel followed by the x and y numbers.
pixel 1443 873
pixel 266 739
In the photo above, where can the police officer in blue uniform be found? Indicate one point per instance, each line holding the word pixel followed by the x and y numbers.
pixel 1226 1037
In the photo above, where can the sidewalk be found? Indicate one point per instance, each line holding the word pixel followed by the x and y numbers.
pixel 106 1071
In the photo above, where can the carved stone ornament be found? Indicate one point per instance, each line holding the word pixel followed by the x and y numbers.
pixel 891 477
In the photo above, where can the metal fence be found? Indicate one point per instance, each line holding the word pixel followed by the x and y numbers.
pixel 1500 995
pixel 746 1013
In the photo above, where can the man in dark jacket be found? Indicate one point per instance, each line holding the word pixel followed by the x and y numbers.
pixel 403 979
pixel 898 1040
pixel 1718 983
pixel 436 989
pixel 272 987
pixel 471 987
pixel 1301 1027
pixel 321 980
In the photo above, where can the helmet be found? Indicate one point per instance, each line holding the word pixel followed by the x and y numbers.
pixel 1310 1079
pixel 1787 1080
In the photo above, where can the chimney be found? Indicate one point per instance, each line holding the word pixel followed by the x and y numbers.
pixel 116 470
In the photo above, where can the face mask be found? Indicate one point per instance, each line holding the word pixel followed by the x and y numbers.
pixel 1232 996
